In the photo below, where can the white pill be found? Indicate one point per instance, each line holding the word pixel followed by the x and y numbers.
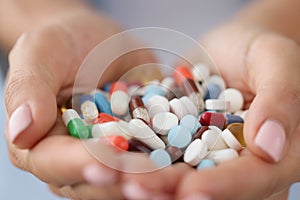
pixel 119 102
pixel 163 122
pixel 111 128
pixel 220 156
pixel 241 113
pixel 177 108
pixel 217 80
pixel 144 133
pixel 157 104
pixel 215 128
pixel 68 115
pixel 230 140
pixel 195 152
pixel 235 98
pixel 200 72
pixel 213 139
pixel 217 104
pixel 168 83
pixel 89 111
pixel 189 106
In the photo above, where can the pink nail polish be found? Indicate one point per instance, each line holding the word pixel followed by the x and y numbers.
pixel 271 139
pixel 98 175
pixel 133 190
pixel 19 120
pixel 197 196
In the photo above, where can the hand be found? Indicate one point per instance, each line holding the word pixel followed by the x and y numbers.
pixel 265 67
pixel 43 67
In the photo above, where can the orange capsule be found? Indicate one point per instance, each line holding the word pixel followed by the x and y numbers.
pixel 119 142
pixel 181 73
pixel 118 86
pixel 104 117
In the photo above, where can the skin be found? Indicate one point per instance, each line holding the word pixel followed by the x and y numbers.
pixel 263 54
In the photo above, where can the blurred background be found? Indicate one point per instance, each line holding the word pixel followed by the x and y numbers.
pixel 193 17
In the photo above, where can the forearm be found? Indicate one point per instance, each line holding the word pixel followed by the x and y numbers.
pixel 18 16
pixel 276 15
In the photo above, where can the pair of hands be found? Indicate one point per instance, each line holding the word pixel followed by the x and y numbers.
pixel 261 64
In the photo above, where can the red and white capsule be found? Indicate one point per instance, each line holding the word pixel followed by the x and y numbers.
pixel 119 98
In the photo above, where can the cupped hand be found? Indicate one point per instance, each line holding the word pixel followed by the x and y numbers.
pixel 43 67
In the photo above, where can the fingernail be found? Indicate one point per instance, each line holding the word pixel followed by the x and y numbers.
pixel 98 175
pixel 19 121
pixel 133 190
pixel 271 139
pixel 197 196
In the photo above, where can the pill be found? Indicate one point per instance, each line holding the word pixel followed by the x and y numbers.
pixel 161 158
pixel 220 156
pixel 144 133
pixel 213 91
pixel 182 73
pixel 205 164
pixel 107 87
pixel 216 79
pixel 233 119
pixel 111 128
pixel 200 72
pixel 230 140
pixel 235 98
pixel 199 133
pixel 146 97
pixel 155 89
pixel 237 130
pixel 157 104
pixel 179 136
pixel 189 106
pixel 214 140
pixel 190 89
pixel 102 104
pixel 138 109
pixel 175 153
pixel 103 117
pixel 119 98
pixel 74 124
pixel 168 83
pixel 217 105
pixel 215 128
pixel 89 111
pixel 163 122
pixel 136 145
pixel 119 142
pixel 191 123
pixel 213 118
pixel 177 108
pixel 195 152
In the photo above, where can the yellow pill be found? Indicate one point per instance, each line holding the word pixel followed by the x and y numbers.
pixel 237 130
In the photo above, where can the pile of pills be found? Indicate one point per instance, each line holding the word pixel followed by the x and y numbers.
pixel 188 117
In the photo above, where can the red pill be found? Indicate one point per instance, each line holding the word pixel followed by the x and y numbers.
pixel 118 86
pixel 117 141
pixel 181 73
pixel 213 119
pixel 138 109
pixel 104 117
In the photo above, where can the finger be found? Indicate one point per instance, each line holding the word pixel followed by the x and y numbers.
pixel 274 114
pixel 246 178
pixel 88 192
pixel 33 82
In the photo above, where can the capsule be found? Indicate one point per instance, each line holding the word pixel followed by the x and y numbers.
pixel 191 90
pixel 102 104
pixel 119 142
pixel 103 118
pixel 74 124
pixel 138 109
pixel 213 119
pixel 237 130
pixel 89 111
pixel 119 98
pixel 182 73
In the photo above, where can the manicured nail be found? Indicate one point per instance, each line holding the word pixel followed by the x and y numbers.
pixel 19 120
pixel 197 196
pixel 98 175
pixel 133 190
pixel 271 139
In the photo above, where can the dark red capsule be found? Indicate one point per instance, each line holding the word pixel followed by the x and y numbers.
pixel 213 119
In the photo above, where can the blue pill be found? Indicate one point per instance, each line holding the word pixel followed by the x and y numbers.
pixel 213 91
pixel 102 104
pixel 161 158
pixel 85 97
pixel 205 163
pixel 179 136
pixel 191 123
pixel 233 119
pixel 107 87
pixel 155 89
pixel 146 97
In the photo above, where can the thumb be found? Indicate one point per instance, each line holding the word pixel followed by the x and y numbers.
pixel 273 117
pixel 30 93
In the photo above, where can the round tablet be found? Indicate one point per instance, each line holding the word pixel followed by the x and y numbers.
pixel 235 98
pixel 190 122
pixel 189 106
pixel 220 156
pixel 163 122
pixel 213 140
pixel 179 136
pixel 177 108
pixel 161 158
pixel 195 152
pixel 216 104
pixel 157 104
pixel 205 163
pixel 230 140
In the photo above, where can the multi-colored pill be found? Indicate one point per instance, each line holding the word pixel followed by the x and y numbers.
pixel 119 98
pixel 74 124
pixel 138 109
